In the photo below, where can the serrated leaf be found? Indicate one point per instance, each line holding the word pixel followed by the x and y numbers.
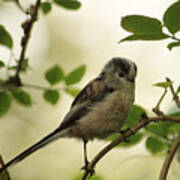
pixel 72 91
pixel 5 103
pixel 21 96
pixel 171 18
pixel 68 4
pixel 154 145
pixel 164 84
pixel 5 37
pixel 76 75
pixel 147 37
pixel 94 177
pixel 1 64
pixel 178 90
pixel 54 75
pixel 51 96
pixel 139 24
pixel 171 45
pixel 131 141
pixel 134 116
pixel 46 7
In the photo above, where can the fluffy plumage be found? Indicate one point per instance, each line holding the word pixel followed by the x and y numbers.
pixel 99 110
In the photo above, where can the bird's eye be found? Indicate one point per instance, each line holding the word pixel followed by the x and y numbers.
pixel 121 74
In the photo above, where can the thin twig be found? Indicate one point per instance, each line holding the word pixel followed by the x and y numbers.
pixel 38 87
pixel 20 7
pixel 144 122
pixel 33 86
pixel 27 27
pixel 157 107
pixel 175 96
pixel 5 171
pixel 169 158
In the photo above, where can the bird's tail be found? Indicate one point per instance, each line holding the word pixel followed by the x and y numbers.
pixel 43 142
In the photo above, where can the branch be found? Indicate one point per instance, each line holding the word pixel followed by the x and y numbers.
pixel 175 96
pixel 5 171
pixel 157 110
pixel 27 27
pixel 144 122
pixel 169 158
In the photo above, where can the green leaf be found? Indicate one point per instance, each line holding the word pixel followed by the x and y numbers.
pixel 154 145
pixel 175 128
pixel 54 75
pixel 5 38
pixel 131 141
pixel 143 28
pixel 134 116
pixel 139 24
pixel 176 114
pixel 146 37
pixel 94 177
pixel 46 7
pixel 51 96
pixel 178 90
pixel 164 84
pixel 21 97
pixel 12 68
pixel 68 4
pixel 72 91
pixel 161 129
pixel 171 18
pixel 76 75
pixel 1 64
pixel 171 45
pixel 5 103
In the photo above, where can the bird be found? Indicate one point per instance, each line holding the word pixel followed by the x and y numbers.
pixel 99 110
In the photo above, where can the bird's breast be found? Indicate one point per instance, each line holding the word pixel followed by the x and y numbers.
pixel 105 117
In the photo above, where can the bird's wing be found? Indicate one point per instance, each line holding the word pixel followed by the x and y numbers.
pixel 94 92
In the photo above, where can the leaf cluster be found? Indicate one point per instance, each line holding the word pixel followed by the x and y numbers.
pixel 158 136
pixel 54 76
pixel 147 28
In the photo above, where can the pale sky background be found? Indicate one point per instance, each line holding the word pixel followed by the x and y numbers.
pixel 71 38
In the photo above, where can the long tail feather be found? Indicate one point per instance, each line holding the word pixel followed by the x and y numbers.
pixel 43 142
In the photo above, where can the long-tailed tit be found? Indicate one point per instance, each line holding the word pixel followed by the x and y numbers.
pixel 98 111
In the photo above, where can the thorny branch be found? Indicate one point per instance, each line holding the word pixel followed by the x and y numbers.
pixel 169 158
